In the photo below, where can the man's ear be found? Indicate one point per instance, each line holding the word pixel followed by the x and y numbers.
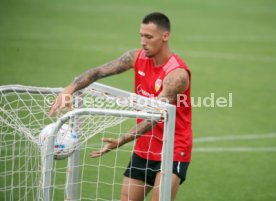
pixel 166 36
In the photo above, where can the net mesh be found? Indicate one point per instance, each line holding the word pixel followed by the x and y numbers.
pixel 24 113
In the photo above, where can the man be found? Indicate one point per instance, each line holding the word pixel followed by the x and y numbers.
pixel 159 73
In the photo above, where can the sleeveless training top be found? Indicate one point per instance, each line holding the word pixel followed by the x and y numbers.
pixel 148 83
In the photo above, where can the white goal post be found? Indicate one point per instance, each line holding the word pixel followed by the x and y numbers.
pixel 28 170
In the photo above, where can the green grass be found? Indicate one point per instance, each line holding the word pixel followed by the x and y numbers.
pixel 230 47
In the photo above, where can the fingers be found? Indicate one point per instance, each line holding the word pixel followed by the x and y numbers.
pixel 55 108
pixel 63 100
pixel 51 111
pixel 95 154
pixel 110 144
pixel 69 107
pixel 58 111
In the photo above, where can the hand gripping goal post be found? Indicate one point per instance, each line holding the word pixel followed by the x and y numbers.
pixel 28 170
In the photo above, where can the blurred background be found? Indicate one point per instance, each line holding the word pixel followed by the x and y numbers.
pixel 230 47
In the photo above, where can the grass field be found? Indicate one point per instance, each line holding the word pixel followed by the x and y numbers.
pixel 230 47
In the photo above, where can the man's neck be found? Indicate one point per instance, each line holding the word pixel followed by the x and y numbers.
pixel 162 57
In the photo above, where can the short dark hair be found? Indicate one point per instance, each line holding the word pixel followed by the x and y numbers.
pixel 159 19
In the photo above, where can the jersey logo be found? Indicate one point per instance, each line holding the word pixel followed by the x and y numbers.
pixel 141 73
pixel 142 92
pixel 158 84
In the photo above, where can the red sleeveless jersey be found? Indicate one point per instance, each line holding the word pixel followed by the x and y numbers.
pixel 148 83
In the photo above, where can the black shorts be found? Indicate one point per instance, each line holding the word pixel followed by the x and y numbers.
pixel 146 170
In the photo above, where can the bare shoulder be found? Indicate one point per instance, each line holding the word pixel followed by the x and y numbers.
pixel 129 57
pixel 179 72
pixel 178 78
pixel 176 82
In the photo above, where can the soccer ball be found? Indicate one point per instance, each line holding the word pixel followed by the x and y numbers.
pixel 65 141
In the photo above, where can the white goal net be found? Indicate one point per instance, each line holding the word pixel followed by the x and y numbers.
pixel 28 170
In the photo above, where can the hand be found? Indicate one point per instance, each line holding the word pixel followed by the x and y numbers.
pixel 110 144
pixel 63 100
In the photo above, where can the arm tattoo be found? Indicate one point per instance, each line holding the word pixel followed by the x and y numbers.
pixel 128 58
pixel 173 85
pixel 172 89
pixel 145 126
pixel 137 131
pixel 123 63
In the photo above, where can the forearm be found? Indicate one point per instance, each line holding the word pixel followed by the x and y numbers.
pixel 137 131
pixel 85 79
pixel 114 67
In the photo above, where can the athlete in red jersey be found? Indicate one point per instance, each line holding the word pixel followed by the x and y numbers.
pixel 159 73
pixel 148 82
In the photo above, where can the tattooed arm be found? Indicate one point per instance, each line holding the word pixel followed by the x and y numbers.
pixel 123 63
pixel 175 82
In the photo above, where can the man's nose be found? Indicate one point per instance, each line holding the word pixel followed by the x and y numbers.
pixel 143 42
